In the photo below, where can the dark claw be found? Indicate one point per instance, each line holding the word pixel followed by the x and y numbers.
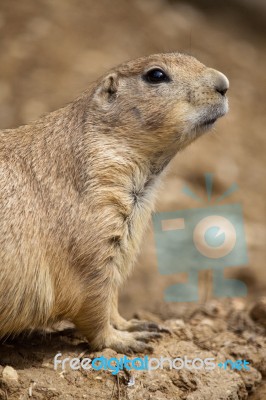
pixel 148 326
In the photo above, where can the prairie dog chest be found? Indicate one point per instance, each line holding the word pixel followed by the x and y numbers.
pixel 141 198
pixel 120 210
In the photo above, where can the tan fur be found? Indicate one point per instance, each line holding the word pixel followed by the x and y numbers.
pixel 77 190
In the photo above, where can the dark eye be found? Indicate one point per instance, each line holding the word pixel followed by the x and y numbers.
pixel 156 75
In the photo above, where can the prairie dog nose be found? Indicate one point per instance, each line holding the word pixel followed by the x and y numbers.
pixel 220 82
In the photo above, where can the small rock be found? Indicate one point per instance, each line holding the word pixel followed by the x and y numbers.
pixel 10 373
pixel 175 323
pixel 206 321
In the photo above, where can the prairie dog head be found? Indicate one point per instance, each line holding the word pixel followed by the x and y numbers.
pixel 162 101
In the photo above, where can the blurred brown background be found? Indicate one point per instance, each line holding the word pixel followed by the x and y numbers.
pixel 52 49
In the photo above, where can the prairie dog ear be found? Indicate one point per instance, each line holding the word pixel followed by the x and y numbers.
pixel 107 89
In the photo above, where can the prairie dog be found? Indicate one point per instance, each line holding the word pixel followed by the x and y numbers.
pixel 77 190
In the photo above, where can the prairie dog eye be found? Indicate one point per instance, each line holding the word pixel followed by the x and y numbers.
pixel 155 76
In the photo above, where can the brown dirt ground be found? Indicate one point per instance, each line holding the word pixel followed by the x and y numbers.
pixel 50 52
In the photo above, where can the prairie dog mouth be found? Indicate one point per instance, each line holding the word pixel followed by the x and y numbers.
pixel 208 122
pixel 212 116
